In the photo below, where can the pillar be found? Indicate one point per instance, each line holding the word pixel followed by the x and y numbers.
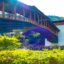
pixel 30 17
pixel 45 22
pixel 3 11
pixel 34 17
pixel 41 21
pixel 24 14
pixel 15 12
pixel 38 18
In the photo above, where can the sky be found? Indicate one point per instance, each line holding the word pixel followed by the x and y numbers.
pixel 48 7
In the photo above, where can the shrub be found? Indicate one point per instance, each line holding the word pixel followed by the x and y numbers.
pixel 32 57
pixel 7 42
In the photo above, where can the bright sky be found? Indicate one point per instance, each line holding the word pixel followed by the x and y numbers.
pixel 48 7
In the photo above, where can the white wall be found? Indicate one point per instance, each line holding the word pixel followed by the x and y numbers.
pixel 61 35
pixel 47 43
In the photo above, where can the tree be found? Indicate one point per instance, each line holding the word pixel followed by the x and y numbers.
pixel 7 42
pixel 33 38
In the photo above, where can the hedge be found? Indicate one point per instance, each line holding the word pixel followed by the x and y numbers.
pixel 55 56
pixel 9 42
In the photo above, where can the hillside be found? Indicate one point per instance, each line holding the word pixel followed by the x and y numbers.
pixel 56 18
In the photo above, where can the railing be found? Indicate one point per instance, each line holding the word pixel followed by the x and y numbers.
pixel 22 18
pixel 12 16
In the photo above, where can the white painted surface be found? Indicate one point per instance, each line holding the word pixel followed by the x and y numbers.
pixel 47 43
pixel 61 35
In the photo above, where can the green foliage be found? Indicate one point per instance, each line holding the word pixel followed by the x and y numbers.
pixel 34 38
pixel 36 34
pixel 55 56
pixel 18 33
pixel 7 42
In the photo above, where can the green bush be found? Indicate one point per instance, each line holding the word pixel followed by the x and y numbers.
pixel 7 42
pixel 32 57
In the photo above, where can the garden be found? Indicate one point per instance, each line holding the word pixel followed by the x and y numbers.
pixel 11 52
